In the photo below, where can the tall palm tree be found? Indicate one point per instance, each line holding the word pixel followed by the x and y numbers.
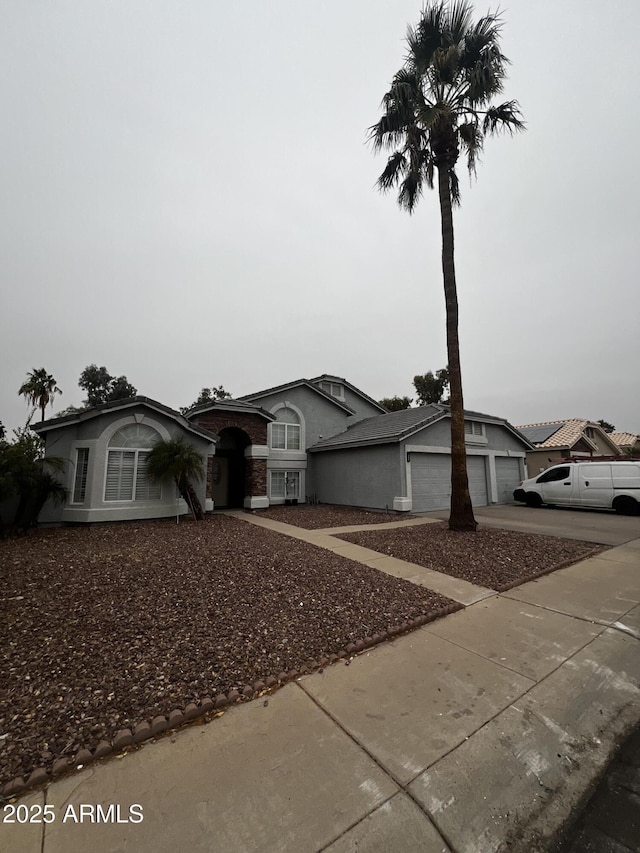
pixel 39 389
pixel 178 462
pixel 439 103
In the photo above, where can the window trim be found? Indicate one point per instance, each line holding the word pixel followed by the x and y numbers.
pixel 153 490
pixel 289 436
pixel 287 404
pixel 295 474
pixel 475 437
pixel 331 388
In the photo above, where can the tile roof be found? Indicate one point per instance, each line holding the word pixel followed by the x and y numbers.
pixel 395 426
pixel 565 434
pixel 624 439
pixel 228 405
pixel 383 428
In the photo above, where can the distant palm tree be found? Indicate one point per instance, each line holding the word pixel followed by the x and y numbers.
pixel 178 462
pixel 439 103
pixel 39 389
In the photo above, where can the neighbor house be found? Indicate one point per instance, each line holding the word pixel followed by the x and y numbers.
pixel 554 441
pixel 626 442
pixel 318 439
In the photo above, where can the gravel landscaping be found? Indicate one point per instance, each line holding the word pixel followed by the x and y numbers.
pixel 318 516
pixel 104 627
pixel 498 559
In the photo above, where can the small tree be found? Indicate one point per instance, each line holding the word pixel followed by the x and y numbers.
pixel 102 387
pixel 396 404
pixel 607 427
pixel 430 388
pixel 178 462
pixel 27 475
pixel 208 395
pixel 39 389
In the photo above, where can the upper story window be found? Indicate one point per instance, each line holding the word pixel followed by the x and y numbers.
pixel 285 432
pixel 334 388
pixel 127 456
pixel 591 433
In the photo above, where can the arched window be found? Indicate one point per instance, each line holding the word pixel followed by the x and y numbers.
pixel 285 431
pixel 127 465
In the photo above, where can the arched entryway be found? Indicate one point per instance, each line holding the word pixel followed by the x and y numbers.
pixel 228 468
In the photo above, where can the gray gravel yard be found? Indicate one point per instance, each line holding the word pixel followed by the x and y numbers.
pixel 107 626
pixel 318 516
pixel 490 557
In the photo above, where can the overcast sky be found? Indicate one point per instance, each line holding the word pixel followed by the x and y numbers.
pixel 187 197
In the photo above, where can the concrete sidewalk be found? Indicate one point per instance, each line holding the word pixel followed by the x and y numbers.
pixel 480 732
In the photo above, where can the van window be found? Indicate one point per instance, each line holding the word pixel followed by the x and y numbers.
pixel 554 474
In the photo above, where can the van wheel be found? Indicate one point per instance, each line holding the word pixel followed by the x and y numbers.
pixel 626 506
pixel 532 499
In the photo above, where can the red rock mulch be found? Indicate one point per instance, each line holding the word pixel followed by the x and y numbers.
pixel 318 516
pixel 111 633
pixel 490 557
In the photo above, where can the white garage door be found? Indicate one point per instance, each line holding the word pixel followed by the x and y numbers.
pixel 431 481
pixel 507 476
pixel 477 474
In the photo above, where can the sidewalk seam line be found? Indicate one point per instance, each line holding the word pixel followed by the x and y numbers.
pixel 377 762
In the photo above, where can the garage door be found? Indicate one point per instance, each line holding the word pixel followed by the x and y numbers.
pixel 431 481
pixel 507 476
pixel 477 474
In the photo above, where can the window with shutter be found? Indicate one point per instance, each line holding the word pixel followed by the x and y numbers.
pixel 126 478
pixel 80 480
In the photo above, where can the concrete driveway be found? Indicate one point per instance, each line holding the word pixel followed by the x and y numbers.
pixel 601 526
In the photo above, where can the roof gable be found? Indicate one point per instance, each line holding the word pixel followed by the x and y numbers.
pixel 122 405
pixel 326 377
pixel 227 405
pixel 298 383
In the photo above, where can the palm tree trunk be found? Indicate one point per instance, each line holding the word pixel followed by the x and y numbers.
pixel 188 493
pixel 461 516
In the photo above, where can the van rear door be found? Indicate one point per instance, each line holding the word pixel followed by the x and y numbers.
pixel 595 486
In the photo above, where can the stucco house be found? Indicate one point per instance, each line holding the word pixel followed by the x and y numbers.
pixel 402 461
pixel 104 451
pixel 321 439
pixel 557 440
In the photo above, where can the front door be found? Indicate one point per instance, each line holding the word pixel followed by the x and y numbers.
pixel 220 482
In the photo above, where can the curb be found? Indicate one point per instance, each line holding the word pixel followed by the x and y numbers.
pixel 572 561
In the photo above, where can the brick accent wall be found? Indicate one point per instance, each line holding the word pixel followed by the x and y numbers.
pixel 255 426
pixel 256 477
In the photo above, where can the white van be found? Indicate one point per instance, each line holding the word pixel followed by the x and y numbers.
pixel 609 485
